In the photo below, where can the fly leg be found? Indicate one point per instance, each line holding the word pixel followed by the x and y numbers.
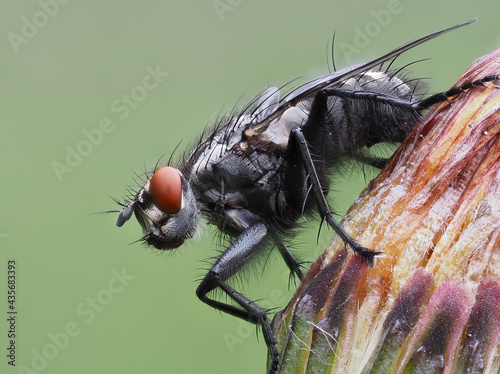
pixel 236 255
pixel 419 105
pixel 298 150
pixel 299 142
pixel 289 259
pixel 444 96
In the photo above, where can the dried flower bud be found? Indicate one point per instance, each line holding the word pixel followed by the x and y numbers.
pixel 433 304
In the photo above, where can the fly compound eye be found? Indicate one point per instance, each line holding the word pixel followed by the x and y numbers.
pixel 165 188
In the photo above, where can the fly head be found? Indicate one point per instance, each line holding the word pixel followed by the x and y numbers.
pixel 166 209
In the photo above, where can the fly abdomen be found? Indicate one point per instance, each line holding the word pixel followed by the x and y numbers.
pixel 372 108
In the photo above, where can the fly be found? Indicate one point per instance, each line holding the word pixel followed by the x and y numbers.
pixel 264 167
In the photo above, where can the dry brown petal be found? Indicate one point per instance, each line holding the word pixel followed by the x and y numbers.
pixel 433 304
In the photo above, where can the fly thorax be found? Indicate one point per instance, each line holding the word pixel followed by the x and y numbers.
pixel 279 130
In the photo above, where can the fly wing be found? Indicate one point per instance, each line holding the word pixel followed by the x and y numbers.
pixel 268 118
pixel 268 103
pixel 309 90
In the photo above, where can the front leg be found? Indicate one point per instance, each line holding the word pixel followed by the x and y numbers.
pixel 233 259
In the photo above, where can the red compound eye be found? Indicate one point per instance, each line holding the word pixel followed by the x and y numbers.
pixel 166 189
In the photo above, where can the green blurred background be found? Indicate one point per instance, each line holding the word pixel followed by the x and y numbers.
pixel 64 68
